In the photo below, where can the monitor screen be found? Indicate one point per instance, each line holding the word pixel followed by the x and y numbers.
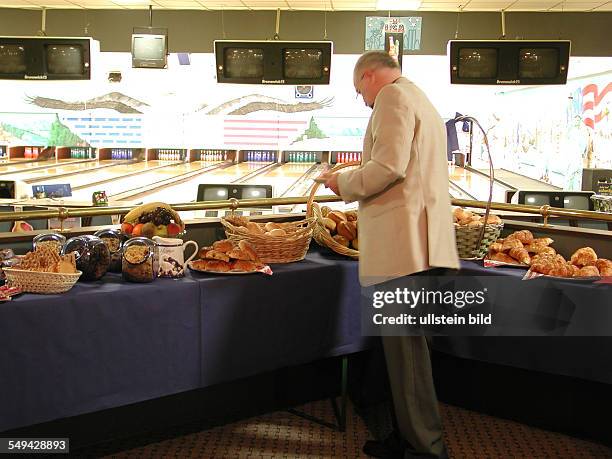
pixel 538 62
pixel 477 63
pixel 216 193
pixel 534 199
pixel 253 192
pixel 12 59
pixel 65 59
pixel 302 63
pixel 149 47
pixel 576 202
pixel 243 62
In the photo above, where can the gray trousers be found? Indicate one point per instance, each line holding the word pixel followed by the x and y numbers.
pixel 414 395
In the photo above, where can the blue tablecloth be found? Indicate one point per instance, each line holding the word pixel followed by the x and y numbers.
pixel 111 343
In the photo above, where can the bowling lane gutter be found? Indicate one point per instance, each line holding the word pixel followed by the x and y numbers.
pixel 129 174
pixel 262 170
pixel 465 194
pixel 176 180
pixel 315 168
pixel 55 164
pixel 68 174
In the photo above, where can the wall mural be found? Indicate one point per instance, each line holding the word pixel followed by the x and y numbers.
pixel 548 133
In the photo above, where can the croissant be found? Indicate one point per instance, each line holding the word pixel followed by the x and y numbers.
pixel 539 248
pixel 604 266
pixel 525 236
pixel 588 271
pixel 573 269
pixel 584 257
pixel 496 247
pixel 542 240
pixel 560 270
pixel 501 256
pixel 511 244
pixel 520 255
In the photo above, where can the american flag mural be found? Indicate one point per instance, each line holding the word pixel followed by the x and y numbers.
pixel 593 110
pixel 240 131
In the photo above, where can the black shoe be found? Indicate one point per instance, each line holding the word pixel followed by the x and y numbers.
pixel 391 447
pixel 411 453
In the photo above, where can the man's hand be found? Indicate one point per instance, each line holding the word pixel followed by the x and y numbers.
pixel 331 181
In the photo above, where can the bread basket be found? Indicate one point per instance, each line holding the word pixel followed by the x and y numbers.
pixel 320 233
pixel 469 242
pixel 276 249
pixel 40 282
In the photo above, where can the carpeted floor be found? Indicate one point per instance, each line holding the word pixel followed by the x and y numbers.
pixel 282 435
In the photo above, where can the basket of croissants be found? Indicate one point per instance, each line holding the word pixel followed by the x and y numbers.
pixel 468 229
pixel 274 242
pixel 334 229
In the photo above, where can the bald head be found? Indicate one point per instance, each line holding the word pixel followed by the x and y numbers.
pixel 376 59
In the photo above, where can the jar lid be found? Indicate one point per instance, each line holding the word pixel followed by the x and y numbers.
pixel 49 237
pixel 81 245
pixel 110 233
pixel 138 250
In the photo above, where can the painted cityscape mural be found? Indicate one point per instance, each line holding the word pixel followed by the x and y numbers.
pixel 548 133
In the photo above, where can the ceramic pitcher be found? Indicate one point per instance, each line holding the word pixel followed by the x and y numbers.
pixel 170 260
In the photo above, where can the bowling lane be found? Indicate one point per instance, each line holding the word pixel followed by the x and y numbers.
pixel 21 165
pixel 63 168
pixel 188 190
pixel 522 182
pixel 115 172
pixel 123 184
pixel 281 178
pixel 475 184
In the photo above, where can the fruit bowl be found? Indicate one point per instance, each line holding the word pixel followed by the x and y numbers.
pixel 154 219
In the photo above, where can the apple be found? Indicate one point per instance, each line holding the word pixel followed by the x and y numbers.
pixel 137 231
pixel 174 229
pixel 161 231
pixel 127 228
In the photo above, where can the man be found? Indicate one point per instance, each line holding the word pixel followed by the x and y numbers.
pixel 405 227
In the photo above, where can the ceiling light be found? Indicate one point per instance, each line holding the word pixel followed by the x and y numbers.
pixel 398 5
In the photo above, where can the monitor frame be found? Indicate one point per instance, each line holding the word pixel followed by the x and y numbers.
pixel 556 198
pixel 36 57
pixel 142 63
pixel 273 61
pixel 508 61
pixel 233 190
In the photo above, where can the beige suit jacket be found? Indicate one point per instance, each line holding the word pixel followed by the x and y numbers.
pixel 405 218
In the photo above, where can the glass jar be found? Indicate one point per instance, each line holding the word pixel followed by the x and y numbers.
pixel 54 240
pixel 114 240
pixel 92 256
pixel 138 258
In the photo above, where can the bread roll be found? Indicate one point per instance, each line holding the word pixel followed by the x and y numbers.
pixel 329 224
pixel 337 216
pixel 276 233
pixel 254 228
pixel 355 243
pixel 347 230
pixel 351 215
pixel 588 271
pixel 325 210
pixel 604 266
pixel 272 225
pixel 584 257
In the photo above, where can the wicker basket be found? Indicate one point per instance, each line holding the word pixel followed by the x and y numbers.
pixel 40 282
pixel 320 234
pixel 276 249
pixel 467 240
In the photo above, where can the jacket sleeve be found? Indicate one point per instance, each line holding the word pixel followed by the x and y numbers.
pixel 393 124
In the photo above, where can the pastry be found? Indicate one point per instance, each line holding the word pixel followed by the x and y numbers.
pixel 237 254
pixel 341 240
pixel 588 271
pixel 248 249
pixel 276 233
pixel 244 265
pixel 521 255
pixel 272 225
pixel 511 244
pixel 501 256
pixel 496 247
pixel 347 229
pixel 525 236
pixel 584 257
pixel 539 248
pixel 254 228
pixel 217 265
pixel 216 255
pixel 604 266
pixel 237 220
pixel 224 245
pixel 542 240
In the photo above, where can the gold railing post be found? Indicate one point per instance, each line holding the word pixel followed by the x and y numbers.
pixel 545 211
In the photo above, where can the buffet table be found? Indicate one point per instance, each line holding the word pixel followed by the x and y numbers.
pixel 110 343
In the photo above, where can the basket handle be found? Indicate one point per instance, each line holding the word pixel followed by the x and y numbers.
pixel 315 186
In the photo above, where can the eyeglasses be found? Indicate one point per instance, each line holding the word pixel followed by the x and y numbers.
pixel 357 86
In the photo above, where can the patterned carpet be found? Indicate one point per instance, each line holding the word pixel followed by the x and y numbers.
pixel 282 435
